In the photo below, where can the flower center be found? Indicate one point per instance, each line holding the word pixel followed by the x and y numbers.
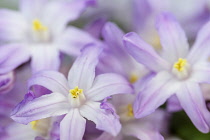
pixel 180 64
pixel 38 26
pixel 133 78
pixel 130 111
pixel 76 97
pixel 181 68
pixel 40 33
pixel 75 92
pixel 34 124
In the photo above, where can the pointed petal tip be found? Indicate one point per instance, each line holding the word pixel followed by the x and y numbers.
pixel 164 18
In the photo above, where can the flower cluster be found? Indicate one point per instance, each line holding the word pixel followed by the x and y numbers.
pixel 62 81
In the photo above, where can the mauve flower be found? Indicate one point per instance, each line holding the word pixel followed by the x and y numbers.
pixel 179 71
pixel 38 31
pixel 16 131
pixel 145 128
pixel 123 63
pixel 192 16
pixel 77 98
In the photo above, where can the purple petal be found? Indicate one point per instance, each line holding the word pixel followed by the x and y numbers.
pixel 172 36
pixel 142 133
pixel 108 84
pixel 200 72
pixel 107 136
pixel 17 131
pixel 173 104
pixel 53 104
pixel 12 26
pixel 201 49
pixel 69 43
pixel 72 127
pixel 82 73
pixel 52 80
pixel 156 92
pixel 192 101
pixel 143 52
pixel 104 120
pixel 14 55
pixel 6 82
pixel 32 9
pixel 44 58
pixel 70 10
pixel 95 27
pixel 113 38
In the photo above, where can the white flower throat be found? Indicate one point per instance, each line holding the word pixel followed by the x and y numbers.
pixel 40 32
pixel 181 69
pixel 76 97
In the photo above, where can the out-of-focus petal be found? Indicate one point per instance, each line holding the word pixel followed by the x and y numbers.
pixel 143 52
pixel 107 136
pixel 155 93
pixel 12 56
pixel 53 104
pixel 95 27
pixel 82 73
pixel 70 10
pixel 6 82
pixel 108 84
pixel 17 131
pixel 73 40
pixel 192 101
pixel 113 37
pixel 31 9
pixel 173 104
pixel 142 133
pixel 52 80
pixel 72 127
pixel 104 120
pixel 44 58
pixel 200 72
pixel 12 26
pixel 201 47
pixel 172 37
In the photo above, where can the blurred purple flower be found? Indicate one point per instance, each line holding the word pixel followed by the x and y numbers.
pixel 146 128
pixel 37 32
pixel 178 70
pixel 80 102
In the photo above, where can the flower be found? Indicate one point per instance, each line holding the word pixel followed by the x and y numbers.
pixel 178 70
pixel 77 98
pixel 145 129
pixel 38 32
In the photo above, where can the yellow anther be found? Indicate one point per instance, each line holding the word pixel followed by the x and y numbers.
pixel 180 64
pixel 130 110
pixel 34 124
pixel 75 92
pixel 133 78
pixel 38 26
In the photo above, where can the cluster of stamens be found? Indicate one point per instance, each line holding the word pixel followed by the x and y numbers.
pixel 34 124
pixel 38 26
pixel 180 64
pixel 75 92
pixel 130 110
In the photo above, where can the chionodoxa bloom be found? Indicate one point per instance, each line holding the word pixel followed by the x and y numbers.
pixel 78 97
pixel 179 70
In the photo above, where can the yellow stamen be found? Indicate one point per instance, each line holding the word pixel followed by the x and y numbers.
pixel 75 92
pixel 180 64
pixel 34 124
pixel 130 110
pixel 38 26
pixel 133 78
